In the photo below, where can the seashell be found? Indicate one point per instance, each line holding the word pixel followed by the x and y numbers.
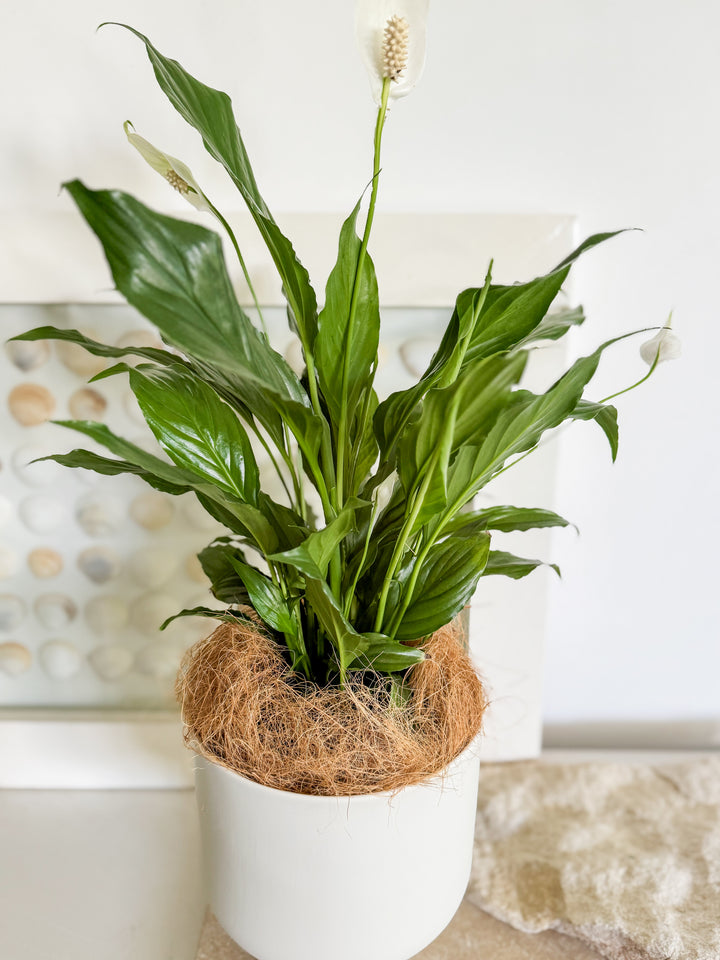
pixel 55 610
pixel 60 659
pixel 41 514
pixel 8 563
pixel 28 355
pixel 197 515
pixel 12 611
pixel 106 613
pixel 139 338
pixel 100 515
pixel 293 355
pixel 6 510
pixel 111 662
pixel 35 474
pixel 159 660
pixel 87 404
pixel 14 658
pixel 152 510
pixel 30 404
pixel 150 610
pixel 194 570
pixel 75 358
pixel 151 567
pixel 132 407
pixel 417 354
pixel 99 564
pixel 45 563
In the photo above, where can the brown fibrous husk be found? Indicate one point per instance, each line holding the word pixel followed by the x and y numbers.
pixel 245 708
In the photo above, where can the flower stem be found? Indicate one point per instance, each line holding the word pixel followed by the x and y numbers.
pixel 233 240
pixel 343 425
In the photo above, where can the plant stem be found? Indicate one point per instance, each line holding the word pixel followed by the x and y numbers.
pixel 343 425
pixel 233 240
pixel 647 376
pixel 351 592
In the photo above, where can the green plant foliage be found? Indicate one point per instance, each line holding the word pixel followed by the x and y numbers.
pixel 399 549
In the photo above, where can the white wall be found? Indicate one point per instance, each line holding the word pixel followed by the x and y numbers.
pixel 605 110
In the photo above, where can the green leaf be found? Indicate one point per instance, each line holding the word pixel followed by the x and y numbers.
pixel 446 582
pixel 555 325
pixel 348 643
pixel 606 417
pixel 100 349
pixel 196 429
pixel 86 460
pixel 174 273
pixel 508 565
pixel 266 598
pixel 313 555
pixel 520 426
pixel 386 656
pixel 503 519
pixel 335 339
pixel 225 583
pixel 450 418
pixel 509 314
pixel 241 518
pixel 210 112
pixel 227 616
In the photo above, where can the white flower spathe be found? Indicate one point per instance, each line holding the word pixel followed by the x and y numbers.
pixel 178 174
pixel 371 20
pixel 665 345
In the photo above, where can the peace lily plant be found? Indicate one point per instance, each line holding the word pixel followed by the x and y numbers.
pixel 399 549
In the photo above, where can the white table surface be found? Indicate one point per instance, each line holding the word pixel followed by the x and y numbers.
pixel 115 874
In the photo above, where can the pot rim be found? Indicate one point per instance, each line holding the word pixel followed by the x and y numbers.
pixel 436 779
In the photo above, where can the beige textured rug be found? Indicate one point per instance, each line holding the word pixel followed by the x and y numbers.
pixel 626 858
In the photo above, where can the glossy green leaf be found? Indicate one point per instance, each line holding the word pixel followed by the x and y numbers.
pixel 86 460
pixel 174 273
pixel 97 349
pixel 196 429
pixel 508 565
pixel 210 112
pixel 384 655
pixel 503 519
pixel 520 426
pixel 242 518
pixel 446 582
pixel 313 555
pixel 348 643
pixel 604 415
pixel 226 616
pixel 555 325
pixel 336 339
pixel 508 316
pixel 266 598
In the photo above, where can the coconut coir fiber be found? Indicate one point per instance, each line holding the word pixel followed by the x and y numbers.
pixel 243 707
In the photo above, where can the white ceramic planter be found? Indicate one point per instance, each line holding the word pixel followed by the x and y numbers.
pixel 294 877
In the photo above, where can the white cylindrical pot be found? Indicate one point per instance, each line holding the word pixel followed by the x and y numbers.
pixel 296 877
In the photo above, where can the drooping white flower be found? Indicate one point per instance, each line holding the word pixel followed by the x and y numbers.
pixel 665 345
pixel 177 174
pixel 391 38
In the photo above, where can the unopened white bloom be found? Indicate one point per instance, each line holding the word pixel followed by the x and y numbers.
pixel 663 346
pixel 177 174
pixel 391 38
